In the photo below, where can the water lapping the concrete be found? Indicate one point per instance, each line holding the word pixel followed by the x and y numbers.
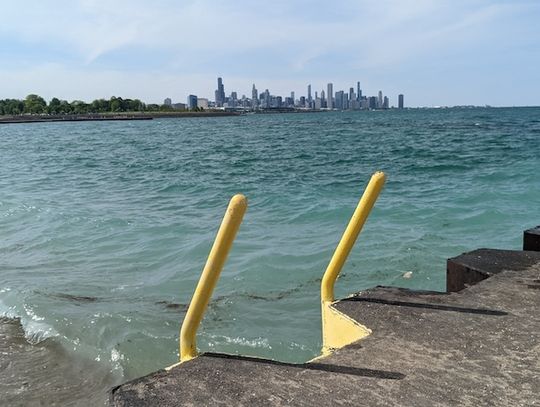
pixel 105 227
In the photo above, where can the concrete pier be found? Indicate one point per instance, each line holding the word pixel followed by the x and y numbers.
pixel 476 345
pixel 531 239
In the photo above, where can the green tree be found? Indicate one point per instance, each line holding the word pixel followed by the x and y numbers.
pixel 100 106
pixel 13 106
pixel 54 106
pixel 152 107
pixel 165 108
pixel 65 107
pixel 34 104
pixel 133 105
pixel 116 104
pixel 79 107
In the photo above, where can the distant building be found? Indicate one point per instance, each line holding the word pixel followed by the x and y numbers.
pixel 386 102
pixel 339 100
pixel 191 102
pixel 380 100
pixel 400 101
pixel 358 92
pixel 179 106
pixel 266 99
pixel 364 103
pixel 220 93
pixel 354 104
pixel 245 102
pixel 329 102
pixel 232 101
pixel 167 102
pixel 254 97
pixel 373 102
pixel 202 103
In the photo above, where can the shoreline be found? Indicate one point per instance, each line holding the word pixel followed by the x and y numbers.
pixel 64 376
pixel 107 117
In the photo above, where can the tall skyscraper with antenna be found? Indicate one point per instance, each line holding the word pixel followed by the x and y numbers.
pixel 220 93
pixel 254 97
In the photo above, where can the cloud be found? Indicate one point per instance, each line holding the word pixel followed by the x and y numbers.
pixel 92 28
pixel 271 43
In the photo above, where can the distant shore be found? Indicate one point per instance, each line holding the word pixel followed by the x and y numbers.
pixel 108 117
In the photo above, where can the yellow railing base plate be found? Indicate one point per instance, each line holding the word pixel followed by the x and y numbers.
pixel 339 330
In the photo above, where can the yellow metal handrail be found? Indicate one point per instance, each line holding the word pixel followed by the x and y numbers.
pixel 339 329
pixel 349 236
pixel 212 269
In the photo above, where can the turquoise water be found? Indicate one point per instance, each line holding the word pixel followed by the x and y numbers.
pixel 105 226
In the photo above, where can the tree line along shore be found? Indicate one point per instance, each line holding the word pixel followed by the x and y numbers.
pixel 36 105
pixel 35 109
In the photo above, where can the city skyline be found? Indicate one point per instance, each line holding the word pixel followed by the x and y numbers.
pixel 473 52
pixel 339 100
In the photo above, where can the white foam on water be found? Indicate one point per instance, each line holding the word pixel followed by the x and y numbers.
pixel 36 331
pixel 259 342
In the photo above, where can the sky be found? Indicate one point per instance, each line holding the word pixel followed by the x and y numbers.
pixel 437 53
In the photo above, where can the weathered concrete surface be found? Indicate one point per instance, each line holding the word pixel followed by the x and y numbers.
pixel 476 347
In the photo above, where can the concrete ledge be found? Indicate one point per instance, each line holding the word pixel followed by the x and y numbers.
pixel 531 239
pixel 472 267
pixel 476 347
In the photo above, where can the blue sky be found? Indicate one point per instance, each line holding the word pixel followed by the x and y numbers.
pixel 435 52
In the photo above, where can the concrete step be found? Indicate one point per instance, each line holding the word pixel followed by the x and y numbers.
pixel 479 346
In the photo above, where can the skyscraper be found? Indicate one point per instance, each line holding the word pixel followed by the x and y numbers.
pixel 220 93
pixel 329 93
pixel 309 95
pixel 232 102
pixel 400 101
pixel 266 98
pixel 339 100
pixel 254 97
pixel 358 91
pixel 191 102
pixel 380 100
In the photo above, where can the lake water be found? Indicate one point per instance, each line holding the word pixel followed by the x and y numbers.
pixel 105 228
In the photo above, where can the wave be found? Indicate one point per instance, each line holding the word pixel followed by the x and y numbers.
pixel 45 373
